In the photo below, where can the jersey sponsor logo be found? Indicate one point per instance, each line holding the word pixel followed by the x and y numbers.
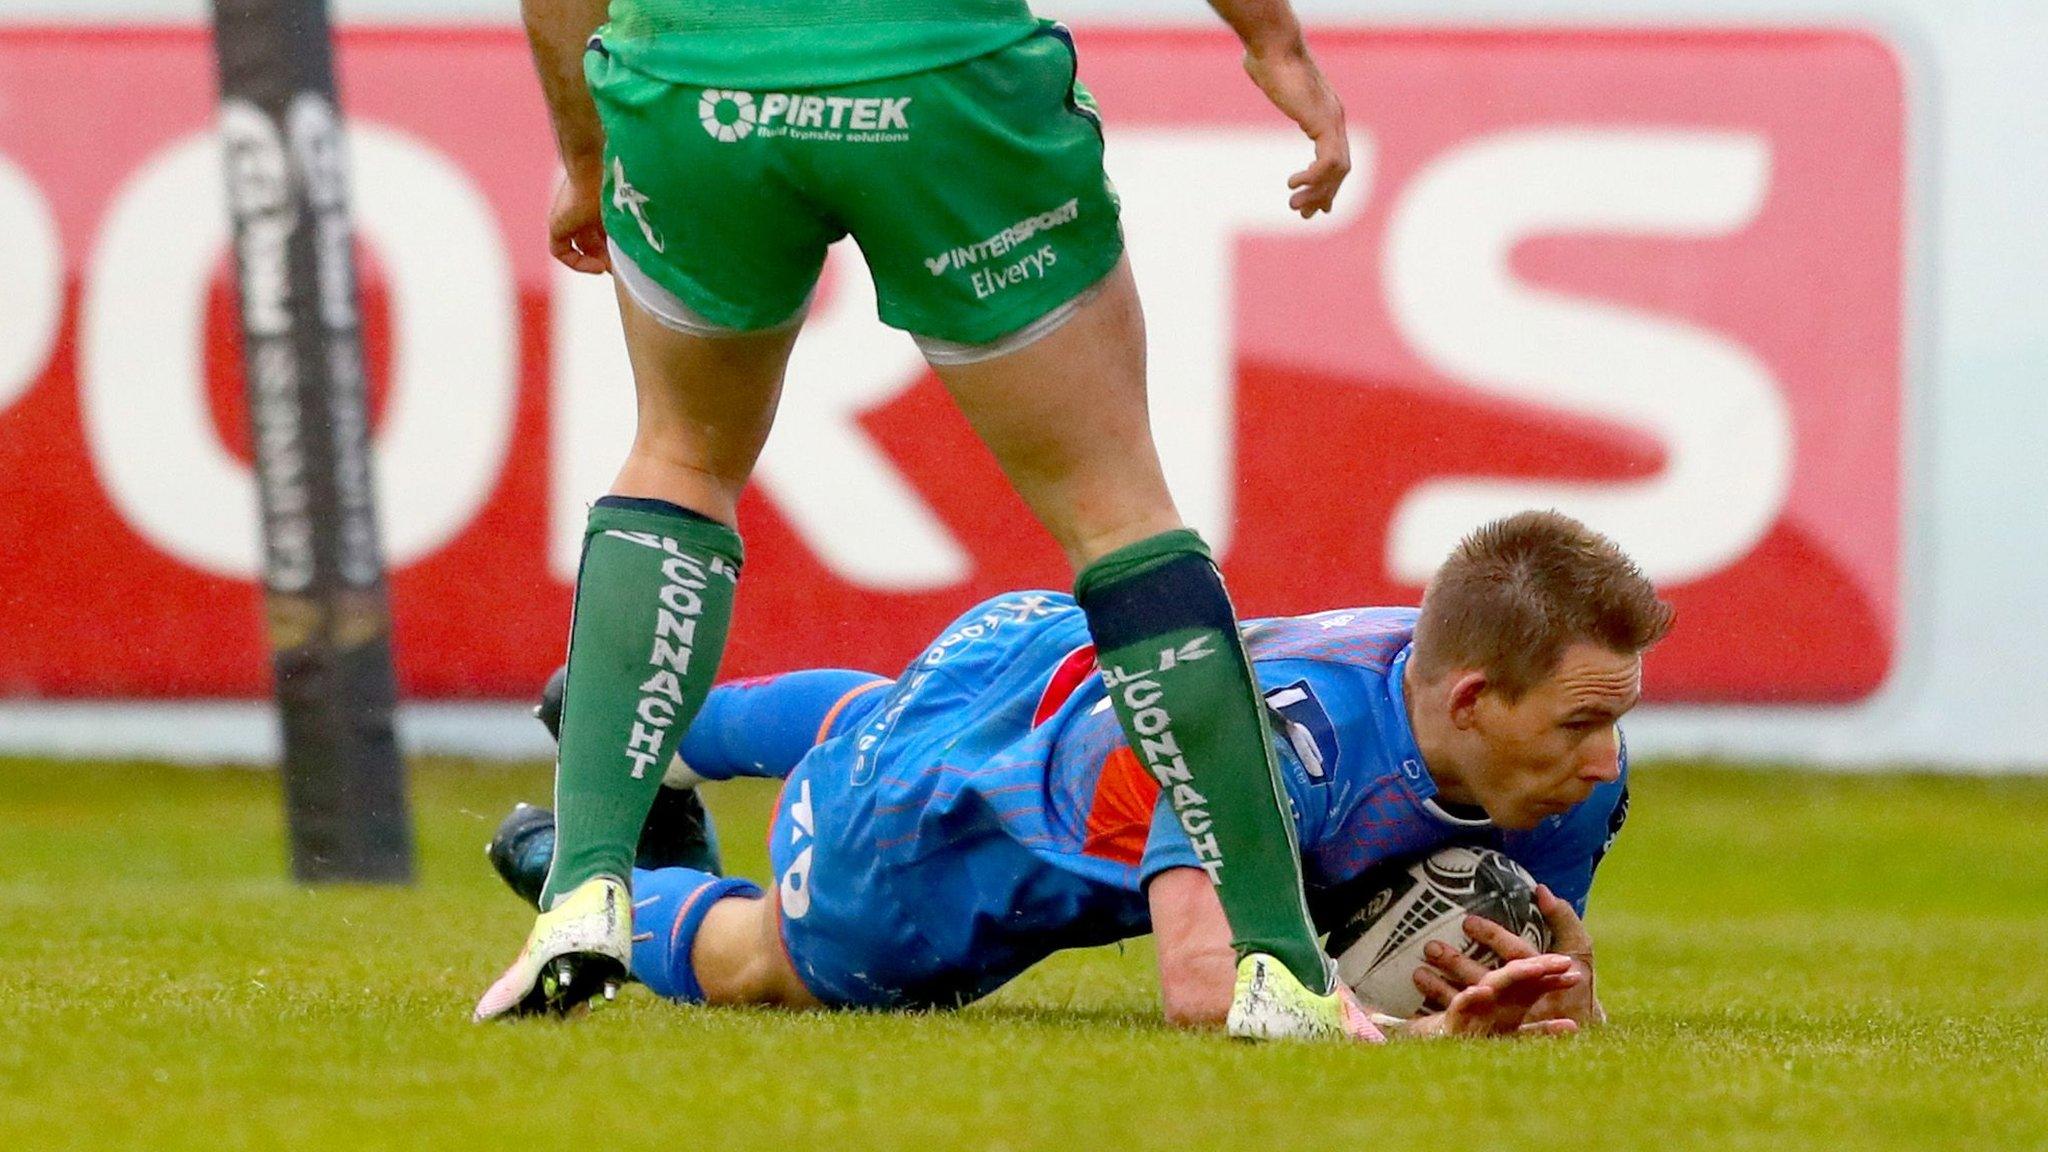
pixel 988 282
pixel 729 116
pixel 1306 724
pixel 998 245
pixel 1020 609
pixel 795 885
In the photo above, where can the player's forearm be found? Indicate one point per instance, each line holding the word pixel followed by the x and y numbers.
pixel 1200 998
pixel 558 31
pixel 1267 27
pixel 1197 966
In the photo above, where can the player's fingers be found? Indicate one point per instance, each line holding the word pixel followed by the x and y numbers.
pixel 1313 198
pixel 1567 932
pixel 1498 939
pixel 581 250
pixel 596 252
pixel 1431 984
pixel 565 252
pixel 1471 1011
pixel 1521 998
pixel 1331 164
pixel 1486 1013
pixel 1548 1028
pixel 1462 969
pixel 1316 185
pixel 1548 972
pixel 1530 991
pixel 578 261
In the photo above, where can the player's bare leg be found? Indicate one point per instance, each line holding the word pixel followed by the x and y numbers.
pixel 705 406
pixel 660 562
pixel 739 958
pixel 1067 419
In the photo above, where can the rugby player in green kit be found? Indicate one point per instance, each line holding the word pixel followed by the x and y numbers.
pixel 713 149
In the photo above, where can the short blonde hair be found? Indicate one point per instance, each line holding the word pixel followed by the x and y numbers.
pixel 1517 592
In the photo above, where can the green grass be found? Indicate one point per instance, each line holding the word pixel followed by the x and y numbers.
pixel 1792 962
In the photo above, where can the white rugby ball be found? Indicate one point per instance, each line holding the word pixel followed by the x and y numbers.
pixel 1379 946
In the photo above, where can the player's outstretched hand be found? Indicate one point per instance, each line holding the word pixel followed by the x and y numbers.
pixel 576 224
pixel 1290 79
pixel 1449 970
pixel 1499 1002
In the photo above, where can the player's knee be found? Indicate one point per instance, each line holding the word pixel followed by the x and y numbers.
pixel 739 959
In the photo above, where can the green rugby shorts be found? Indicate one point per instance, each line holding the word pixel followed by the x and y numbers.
pixel 976 193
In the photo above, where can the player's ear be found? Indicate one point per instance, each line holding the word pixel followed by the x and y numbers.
pixel 1465 692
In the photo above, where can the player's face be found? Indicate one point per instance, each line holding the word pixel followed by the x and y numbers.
pixel 1547 751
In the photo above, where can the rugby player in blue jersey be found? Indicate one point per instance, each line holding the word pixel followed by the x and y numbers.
pixel 941 832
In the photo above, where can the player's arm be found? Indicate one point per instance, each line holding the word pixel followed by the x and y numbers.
pixel 1277 59
pixel 1197 966
pixel 557 30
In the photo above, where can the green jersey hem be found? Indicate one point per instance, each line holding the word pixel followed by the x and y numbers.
pixel 811 56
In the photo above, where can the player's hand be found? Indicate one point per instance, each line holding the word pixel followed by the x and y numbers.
pixel 576 222
pixel 1568 937
pixel 1290 79
pixel 1500 1002
pixel 1449 970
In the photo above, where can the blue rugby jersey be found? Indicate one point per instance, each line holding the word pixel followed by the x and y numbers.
pixel 1359 790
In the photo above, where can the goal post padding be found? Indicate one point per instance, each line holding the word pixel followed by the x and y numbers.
pixel 326 603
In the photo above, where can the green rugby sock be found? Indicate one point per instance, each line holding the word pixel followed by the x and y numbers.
pixel 653 601
pixel 1167 642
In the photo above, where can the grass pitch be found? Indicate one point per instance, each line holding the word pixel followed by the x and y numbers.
pixel 1791 961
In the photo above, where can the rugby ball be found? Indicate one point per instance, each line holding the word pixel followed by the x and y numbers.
pixel 1379 946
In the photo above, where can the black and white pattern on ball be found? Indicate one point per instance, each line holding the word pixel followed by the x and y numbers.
pixel 1380 945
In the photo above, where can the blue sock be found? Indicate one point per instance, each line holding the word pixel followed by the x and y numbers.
pixel 669 905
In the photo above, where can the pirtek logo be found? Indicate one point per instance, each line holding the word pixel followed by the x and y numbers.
pixel 729 115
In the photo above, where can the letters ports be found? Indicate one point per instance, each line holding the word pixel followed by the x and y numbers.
pixel 1603 276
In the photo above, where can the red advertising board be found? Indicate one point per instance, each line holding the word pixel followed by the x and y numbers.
pixel 1651 277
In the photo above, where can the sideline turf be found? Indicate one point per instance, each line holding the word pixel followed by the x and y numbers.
pixel 1792 961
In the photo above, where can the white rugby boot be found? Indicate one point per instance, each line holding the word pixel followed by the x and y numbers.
pixel 579 949
pixel 1270 1004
